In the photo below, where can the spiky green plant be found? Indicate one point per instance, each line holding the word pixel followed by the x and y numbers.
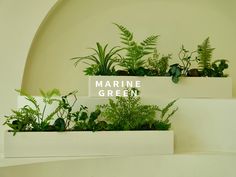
pixel 103 61
pixel 204 55
pixel 135 51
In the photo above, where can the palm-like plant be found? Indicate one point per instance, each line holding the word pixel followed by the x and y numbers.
pixel 103 62
pixel 135 51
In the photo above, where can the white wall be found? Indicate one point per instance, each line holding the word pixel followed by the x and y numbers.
pixel 19 22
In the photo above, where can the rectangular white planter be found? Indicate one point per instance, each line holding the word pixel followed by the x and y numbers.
pixel 163 87
pixel 104 143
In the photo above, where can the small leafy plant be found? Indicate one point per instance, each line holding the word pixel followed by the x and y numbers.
pixel 158 66
pixel 103 62
pixel 176 70
pixel 128 113
pixel 32 118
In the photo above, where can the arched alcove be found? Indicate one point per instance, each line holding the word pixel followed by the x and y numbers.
pixel 75 25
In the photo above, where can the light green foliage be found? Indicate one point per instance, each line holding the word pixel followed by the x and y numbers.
pixel 31 118
pixel 135 51
pixel 103 61
pixel 128 113
pixel 205 54
pixel 159 64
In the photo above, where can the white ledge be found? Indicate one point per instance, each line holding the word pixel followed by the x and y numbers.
pixel 204 156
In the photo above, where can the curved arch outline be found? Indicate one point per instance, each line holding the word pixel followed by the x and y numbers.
pixel 50 10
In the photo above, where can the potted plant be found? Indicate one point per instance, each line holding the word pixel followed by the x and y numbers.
pixel 206 68
pixel 123 126
pixel 129 63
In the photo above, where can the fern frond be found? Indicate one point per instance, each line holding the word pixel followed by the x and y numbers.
pixel 29 98
pixel 126 35
pixel 205 54
pixel 150 41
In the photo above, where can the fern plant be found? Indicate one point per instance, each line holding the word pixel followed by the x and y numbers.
pixel 32 118
pixel 128 113
pixel 204 56
pixel 135 51
pixel 103 61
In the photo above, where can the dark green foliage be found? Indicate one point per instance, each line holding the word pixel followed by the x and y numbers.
pixel 175 72
pixel 135 51
pixel 65 109
pixel 218 68
pixel 59 124
pixel 127 113
pixel 103 62
pixel 90 123
pixel 204 56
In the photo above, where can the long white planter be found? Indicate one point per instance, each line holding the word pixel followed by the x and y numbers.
pixel 104 143
pixel 162 87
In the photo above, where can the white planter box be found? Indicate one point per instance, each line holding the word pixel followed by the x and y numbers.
pixel 104 143
pixel 163 87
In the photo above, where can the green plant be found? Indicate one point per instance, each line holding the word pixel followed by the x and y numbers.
pixel 135 51
pixel 103 62
pixel 128 113
pixel 164 122
pixel 206 67
pixel 158 65
pixel 218 68
pixel 185 56
pixel 66 114
pixel 176 70
pixel 204 56
pixel 31 117
pixel 91 122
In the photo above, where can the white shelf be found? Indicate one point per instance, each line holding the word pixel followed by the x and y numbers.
pixel 175 158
